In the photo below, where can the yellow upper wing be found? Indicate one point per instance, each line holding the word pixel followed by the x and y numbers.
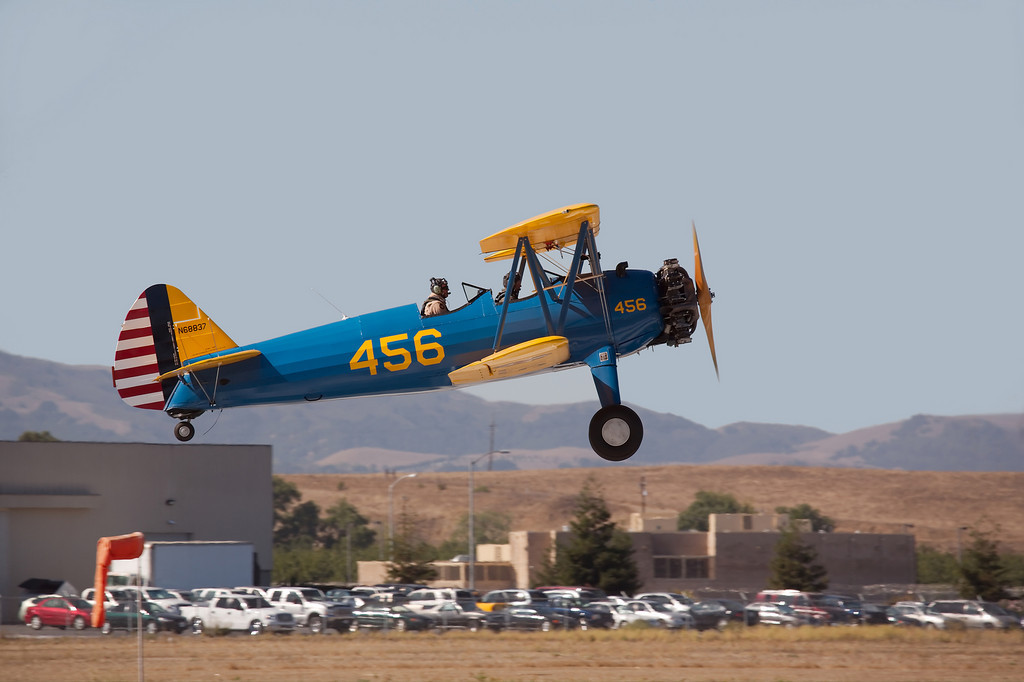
pixel 552 230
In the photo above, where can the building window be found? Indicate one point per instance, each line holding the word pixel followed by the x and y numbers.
pixel 677 567
pixel 748 522
pixel 697 568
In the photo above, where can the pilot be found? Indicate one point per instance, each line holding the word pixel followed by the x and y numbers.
pixel 435 303
pixel 518 283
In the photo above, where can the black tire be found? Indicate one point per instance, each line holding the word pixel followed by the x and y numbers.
pixel 315 624
pixel 401 625
pixel 616 433
pixel 106 628
pixel 184 431
pixel 354 627
pixel 35 623
pixel 152 627
pixel 197 626
pixel 256 628
pixel 78 623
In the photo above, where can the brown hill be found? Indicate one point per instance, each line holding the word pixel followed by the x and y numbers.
pixel 929 504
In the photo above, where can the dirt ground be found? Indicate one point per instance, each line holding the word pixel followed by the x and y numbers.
pixel 929 504
pixel 878 654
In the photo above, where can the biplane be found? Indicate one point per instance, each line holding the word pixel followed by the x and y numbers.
pixel 172 357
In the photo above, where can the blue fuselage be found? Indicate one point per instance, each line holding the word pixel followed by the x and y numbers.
pixel 397 351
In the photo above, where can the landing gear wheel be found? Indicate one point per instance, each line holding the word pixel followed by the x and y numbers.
pixel 616 432
pixel 184 431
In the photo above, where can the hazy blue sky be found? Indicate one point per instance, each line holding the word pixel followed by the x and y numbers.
pixel 855 170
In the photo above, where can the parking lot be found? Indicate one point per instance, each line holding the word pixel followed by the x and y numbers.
pixel 771 655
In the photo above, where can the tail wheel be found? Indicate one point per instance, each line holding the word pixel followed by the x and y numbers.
pixel 184 431
pixel 616 433
pixel 197 626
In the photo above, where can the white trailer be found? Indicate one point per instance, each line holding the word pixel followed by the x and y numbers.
pixel 188 565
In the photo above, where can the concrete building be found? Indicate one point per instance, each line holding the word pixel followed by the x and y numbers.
pixel 58 499
pixel 734 555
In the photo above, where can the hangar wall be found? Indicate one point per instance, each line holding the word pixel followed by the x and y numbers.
pixel 58 499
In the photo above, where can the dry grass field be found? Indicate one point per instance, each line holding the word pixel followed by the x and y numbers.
pixel 866 500
pixel 878 654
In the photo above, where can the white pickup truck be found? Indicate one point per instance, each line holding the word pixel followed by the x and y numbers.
pixel 311 608
pixel 250 614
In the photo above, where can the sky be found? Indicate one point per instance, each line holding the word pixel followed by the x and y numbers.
pixel 855 171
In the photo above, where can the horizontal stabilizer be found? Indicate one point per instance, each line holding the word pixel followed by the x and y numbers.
pixel 210 363
pixel 523 358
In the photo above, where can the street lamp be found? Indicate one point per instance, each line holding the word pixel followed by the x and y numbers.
pixel 472 531
pixel 391 514
pixel 959 545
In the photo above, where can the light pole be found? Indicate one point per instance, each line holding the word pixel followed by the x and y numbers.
pixel 959 546
pixel 391 514
pixel 472 523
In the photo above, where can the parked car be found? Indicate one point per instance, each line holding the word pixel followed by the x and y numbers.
pixel 873 614
pixel 975 614
pixel 708 615
pixel 529 618
pixel 662 615
pixel 916 613
pixel 158 595
pixel 589 617
pixel 32 601
pixel 495 600
pixel 452 615
pixel 155 618
pixel 385 617
pixel 237 612
pixel 733 608
pixel 798 601
pixel 418 600
pixel 111 596
pixel 676 602
pixel 768 613
pixel 841 610
pixel 59 612
pixel 310 608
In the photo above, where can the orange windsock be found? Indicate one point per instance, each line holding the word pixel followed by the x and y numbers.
pixel 107 549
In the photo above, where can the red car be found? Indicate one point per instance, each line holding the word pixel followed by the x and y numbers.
pixel 60 612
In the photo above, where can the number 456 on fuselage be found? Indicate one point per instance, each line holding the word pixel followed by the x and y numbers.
pixel 172 357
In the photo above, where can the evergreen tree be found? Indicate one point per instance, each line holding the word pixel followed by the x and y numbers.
pixel 411 557
pixel 819 522
pixel 935 567
pixel 344 525
pixel 982 574
pixel 695 517
pixel 794 566
pixel 598 553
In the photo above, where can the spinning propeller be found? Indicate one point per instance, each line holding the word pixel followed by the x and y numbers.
pixel 704 296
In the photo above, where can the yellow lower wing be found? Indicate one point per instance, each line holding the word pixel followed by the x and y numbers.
pixel 210 363
pixel 523 358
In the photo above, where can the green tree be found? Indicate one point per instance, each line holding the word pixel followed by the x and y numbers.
pixel 598 553
pixel 819 522
pixel 38 437
pixel 489 527
pixel 343 519
pixel 795 567
pixel 301 526
pixel 285 495
pixel 935 567
pixel 695 517
pixel 411 555
pixel 982 574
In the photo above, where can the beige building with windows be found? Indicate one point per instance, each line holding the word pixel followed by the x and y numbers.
pixel 58 499
pixel 735 554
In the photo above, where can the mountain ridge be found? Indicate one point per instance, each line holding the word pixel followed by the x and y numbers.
pixel 444 431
